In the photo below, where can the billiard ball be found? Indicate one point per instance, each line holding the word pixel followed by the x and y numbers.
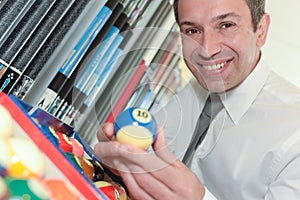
pixel 60 189
pixel 5 154
pixel 21 158
pixel 77 148
pixel 91 168
pixel 87 167
pixel 75 161
pixel 108 189
pixel 99 173
pixel 64 142
pixel 121 190
pixel 135 126
pixel 26 189
pixel 49 130
pixel 3 190
pixel 6 122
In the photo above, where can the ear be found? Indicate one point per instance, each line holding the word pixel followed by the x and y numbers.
pixel 263 29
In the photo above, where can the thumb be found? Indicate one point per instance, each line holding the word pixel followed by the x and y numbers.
pixel 161 149
pixel 160 141
pixel 105 132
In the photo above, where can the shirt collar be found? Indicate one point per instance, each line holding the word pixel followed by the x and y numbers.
pixel 238 100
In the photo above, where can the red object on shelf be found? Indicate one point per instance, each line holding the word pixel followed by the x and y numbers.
pixel 133 83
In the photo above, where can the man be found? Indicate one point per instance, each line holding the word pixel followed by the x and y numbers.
pixel 252 147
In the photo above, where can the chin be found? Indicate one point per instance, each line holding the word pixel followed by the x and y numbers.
pixel 215 87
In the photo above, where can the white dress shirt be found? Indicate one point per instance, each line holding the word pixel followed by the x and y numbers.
pixel 252 147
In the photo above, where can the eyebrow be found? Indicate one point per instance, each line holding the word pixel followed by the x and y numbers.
pixel 226 15
pixel 187 23
pixel 217 18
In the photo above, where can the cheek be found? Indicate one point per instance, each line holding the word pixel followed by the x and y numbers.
pixel 196 73
pixel 189 45
pixel 248 57
pixel 245 51
pixel 189 53
pixel 245 46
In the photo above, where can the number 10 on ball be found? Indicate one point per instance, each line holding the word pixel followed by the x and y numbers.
pixel 136 126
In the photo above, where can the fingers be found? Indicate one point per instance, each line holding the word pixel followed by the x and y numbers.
pixel 110 151
pixel 106 132
pixel 162 150
pixel 135 191
pixel 153 186
pixel 113 153
pixel 145 186
pixel 146 175
pixel 160 142
pixel 164 183
pixel 183 184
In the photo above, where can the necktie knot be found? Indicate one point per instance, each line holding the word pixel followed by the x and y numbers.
pixel 216 105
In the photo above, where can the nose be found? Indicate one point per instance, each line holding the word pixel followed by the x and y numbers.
pixel 209 45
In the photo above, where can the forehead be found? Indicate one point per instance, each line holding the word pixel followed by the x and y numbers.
pixel 194 10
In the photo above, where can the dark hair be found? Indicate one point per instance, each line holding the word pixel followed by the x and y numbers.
pixel 257 9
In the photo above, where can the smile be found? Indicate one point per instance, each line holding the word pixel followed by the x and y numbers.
pixel 214 67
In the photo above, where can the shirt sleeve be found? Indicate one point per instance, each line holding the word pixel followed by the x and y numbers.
pixel 286 182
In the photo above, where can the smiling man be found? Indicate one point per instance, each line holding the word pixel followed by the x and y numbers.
pixel 251 149
pixel 220 40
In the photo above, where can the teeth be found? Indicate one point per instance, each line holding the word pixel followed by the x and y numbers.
pixel 214 67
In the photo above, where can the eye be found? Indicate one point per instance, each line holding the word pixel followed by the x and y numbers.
pixel 227 25
pixel 192 31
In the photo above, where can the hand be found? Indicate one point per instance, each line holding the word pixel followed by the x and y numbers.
pixel 146 175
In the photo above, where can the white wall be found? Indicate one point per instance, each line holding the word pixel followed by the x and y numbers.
pixel 283 45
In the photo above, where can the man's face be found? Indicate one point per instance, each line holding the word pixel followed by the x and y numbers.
pixel 219 44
